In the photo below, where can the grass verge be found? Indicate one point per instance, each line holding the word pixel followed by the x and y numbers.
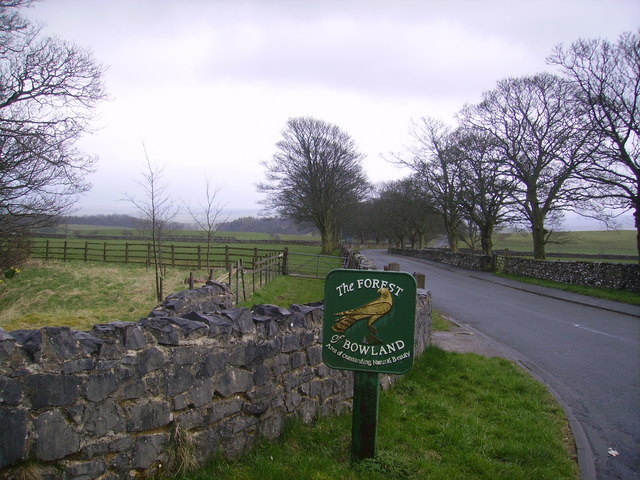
pixel 623 296
pixel 454 416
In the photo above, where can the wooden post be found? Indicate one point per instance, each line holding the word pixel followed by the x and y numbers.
pixel 285 261
pixel 104 252
pixel 173 255
pixel 199 257
pixel 46 250
pixel 364 428
pixel 190 280
pixel 64 252
pixel 238 280
pixel 244 290
pixel 86 250
pixel 226 257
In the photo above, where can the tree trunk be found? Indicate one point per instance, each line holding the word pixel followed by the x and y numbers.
pixel 538 233
pixel 636 216
pixel 486 243
pixel 329 239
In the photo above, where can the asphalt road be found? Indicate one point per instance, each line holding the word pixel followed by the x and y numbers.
pixel 586 351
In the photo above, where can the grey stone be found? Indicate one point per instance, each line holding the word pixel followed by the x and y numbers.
pixel 10 391
pixel 100 386
pixel 162 329
pixel 298 359
pixel 190 328
pixel 186 355
pixel 215 362
pixel 190 419
pixel 89 343
pixel 272 427
pixel 291 342
pixel 85 470
pixel 52 390
pixel 101 418
pixel 261 375
pixel 31 342
pixel 13 440
pixel 234 380
pixel 55 439
pixel 314 354
pixel 268 349
pixel 147 450
pixel 7 344
pixel 76 366
pixel 134 338
pixel 256 408
pixel 308 339
pixel 201 394
pixel 147 416
pixel 243 354
pixel 241 320
pixel 59 343
pixel 132 390
pixel 224 408
pixel 269 310
pixel 151 360
pixel 178 379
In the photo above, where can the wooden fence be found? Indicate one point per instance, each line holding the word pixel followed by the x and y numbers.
pixel 173 255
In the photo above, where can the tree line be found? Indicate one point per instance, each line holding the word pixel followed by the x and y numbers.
pixel 533 148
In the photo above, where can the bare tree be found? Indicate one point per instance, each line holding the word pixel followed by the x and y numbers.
pixel 432 158
pixel 406 212
pixel 315 176
pixel 486 188
pixel 48 89
pixel 157 212
pixel 543 141
pixel 208 216
pixel 606 78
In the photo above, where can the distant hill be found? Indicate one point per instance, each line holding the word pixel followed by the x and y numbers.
pixel 267 225
pixel 111 220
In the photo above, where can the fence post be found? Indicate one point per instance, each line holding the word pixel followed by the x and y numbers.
pixel 190 280
pixel 46 250
pixel 173 255
pixel 126 253
pixel 244 290
pixel 285 258
pixel 64 252
pixel 199 260
pixel 86 250
pixel 226 255
pixel 104 252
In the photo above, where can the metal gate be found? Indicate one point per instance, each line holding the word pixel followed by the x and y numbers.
pixel 314 266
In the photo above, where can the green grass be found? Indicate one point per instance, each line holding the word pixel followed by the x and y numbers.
pixel 451 417
pixel 286 290
pixel 438 322
pixel 624 296
pixel 614 242
pixel 131 232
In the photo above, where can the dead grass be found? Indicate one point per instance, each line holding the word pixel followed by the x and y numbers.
pixel 79 295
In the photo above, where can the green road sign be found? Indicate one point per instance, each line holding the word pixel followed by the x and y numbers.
pixel 369 321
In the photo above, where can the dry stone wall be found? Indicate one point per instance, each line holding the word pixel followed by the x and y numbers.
pixel 117 401
pixel 609 275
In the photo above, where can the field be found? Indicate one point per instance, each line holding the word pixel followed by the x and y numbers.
pixel 614 242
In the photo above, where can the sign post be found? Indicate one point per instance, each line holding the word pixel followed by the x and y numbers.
pixel 369 325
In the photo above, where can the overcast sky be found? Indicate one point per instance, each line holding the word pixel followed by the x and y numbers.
pixel 208 85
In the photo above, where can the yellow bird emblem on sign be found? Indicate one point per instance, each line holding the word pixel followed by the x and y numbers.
pixel 372 311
